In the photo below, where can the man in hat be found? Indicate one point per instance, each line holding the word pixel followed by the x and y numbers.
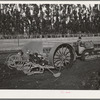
pixel 80 46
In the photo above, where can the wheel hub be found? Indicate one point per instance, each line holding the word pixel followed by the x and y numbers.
pixel 63 57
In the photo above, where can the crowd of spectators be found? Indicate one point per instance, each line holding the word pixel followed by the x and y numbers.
pixel 41 19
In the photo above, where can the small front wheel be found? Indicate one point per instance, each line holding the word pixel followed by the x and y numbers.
pixel 12 61
pixel 87 55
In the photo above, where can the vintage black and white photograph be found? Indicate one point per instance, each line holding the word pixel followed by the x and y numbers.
pixel 50 46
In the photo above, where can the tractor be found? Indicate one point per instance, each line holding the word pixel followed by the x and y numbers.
pixel 32 59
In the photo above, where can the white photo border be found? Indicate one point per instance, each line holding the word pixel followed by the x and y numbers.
pixel 50 94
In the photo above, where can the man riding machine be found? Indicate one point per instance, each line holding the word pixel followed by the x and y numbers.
pixel 84 50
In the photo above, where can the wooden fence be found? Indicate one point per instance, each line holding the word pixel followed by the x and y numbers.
pixel 47 36
pixel 16 44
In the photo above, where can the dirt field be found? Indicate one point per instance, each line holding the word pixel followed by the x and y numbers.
pixel 81 76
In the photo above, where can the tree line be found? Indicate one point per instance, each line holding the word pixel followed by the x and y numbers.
pixel 49 19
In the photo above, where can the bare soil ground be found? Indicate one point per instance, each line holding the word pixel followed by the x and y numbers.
pixel 81 76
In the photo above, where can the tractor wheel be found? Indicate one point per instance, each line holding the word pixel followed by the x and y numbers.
pixel 86 55
pixel 12 61
pixel 62 56
pixel 27 67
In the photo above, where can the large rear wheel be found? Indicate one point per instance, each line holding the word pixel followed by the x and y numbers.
pixel 63 56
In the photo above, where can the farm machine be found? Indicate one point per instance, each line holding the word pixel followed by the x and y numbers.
pixel 32 58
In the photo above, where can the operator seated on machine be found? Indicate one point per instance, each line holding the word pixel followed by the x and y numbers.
pixel 80 45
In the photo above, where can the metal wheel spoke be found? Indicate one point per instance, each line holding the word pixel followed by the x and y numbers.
pixel 60 51
pixel 67 60
pixel 57 60
pixel 58 63
pixel 65 51
pixel 57 55
pixel 11 62
pixel 68 56
pixel 11 58
pixel 14 58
